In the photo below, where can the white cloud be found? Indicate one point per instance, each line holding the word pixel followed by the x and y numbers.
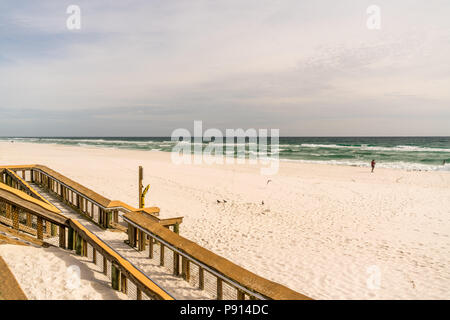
pixel 276 60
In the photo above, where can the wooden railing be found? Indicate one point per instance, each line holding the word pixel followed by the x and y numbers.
pixel 122 270
pixel 12 179
pixel 92 205
pixel 221 278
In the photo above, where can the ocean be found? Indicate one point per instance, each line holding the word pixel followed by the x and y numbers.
pixel 410 153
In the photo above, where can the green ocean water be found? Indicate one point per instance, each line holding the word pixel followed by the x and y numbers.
pixel 410 153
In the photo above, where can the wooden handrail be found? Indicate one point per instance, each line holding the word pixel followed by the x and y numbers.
pixel 22 195
pixel 148 285
pixel 220 265
pixel 27 186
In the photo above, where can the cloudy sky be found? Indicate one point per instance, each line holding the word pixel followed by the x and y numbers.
pixel 144 68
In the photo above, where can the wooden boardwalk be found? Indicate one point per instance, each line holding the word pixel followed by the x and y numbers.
pixel 176 286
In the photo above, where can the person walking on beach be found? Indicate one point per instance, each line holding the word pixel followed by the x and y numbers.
pixel 373 165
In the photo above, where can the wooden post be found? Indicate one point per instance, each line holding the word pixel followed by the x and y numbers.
pixel 142 238
pixel 78 200
pixel 15 217
pixel 219 289
pixel 62 237
pixel 240 295
pixel 100 217
pixel 8 211
pixel 81 204
pixel 53 229
pixel 129 234
pixel 186 270
pixel 139 240
pixel 108 218
pixel 161 254
pixel 123 283
pixel 150 247
pixel 183 267
pixel 105 266
pixel 176 264
pixel 74 245
pixel 70 238
pixel 138 294
pixel 28 220
pixel 40 228
pixel 141 177
pixel 47 227
pixel 79 245
pixel 115 275
pixel 132 235
pixel 201 278
pixel 176 228
pixel 85 248
pixel 94 256
pixel 116 216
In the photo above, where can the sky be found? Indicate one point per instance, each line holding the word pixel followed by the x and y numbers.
pixel 146 68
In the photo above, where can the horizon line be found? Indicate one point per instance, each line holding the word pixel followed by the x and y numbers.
pixel 337 136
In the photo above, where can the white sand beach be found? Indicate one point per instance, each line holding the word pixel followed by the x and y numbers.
pixel 324 230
